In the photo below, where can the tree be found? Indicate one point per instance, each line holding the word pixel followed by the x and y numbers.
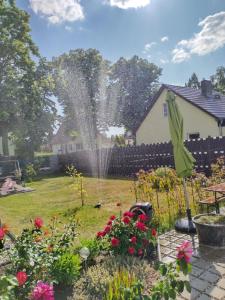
pixel 81 88
pixel 25 88
pixel 36 110
pixel 16 48
pixel 135 81
pixel 193 82
pixel 218 80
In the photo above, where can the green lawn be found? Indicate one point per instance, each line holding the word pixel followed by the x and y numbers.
pixel 55 196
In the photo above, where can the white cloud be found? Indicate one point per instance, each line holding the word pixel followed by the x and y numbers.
pixel 148 47
pixel 69 28
pixel 125 4
pixel 164 39
pixel 58 11
pixel 209 39
pixel 164 61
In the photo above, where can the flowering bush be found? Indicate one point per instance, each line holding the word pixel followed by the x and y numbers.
pixel 129 234
pixel 3 231
pixel 35 255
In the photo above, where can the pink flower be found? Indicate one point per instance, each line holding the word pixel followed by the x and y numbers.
pixel 143 218
pixel 2 233
pixel 185 251
pixel 131 250
pixel 38 223
pixel 115 242
pixel 133 240
pixel 126 220
pixel 109 223
pixel 141 226
pixel 21 278
pixel 43 291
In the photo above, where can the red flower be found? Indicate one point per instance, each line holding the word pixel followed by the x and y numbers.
pixel 21 278
pixel 38 223
pixel 143 218
pixel 115 242
pixel 100 234
pixel 126 220
pixel 109 223
pixel 131 250
pixel 128 214
pixel 141 226
pixel 154 232
pixel 107 229
pixel 112 218
pixel 2 233
pixel 133 240
pixel 140 252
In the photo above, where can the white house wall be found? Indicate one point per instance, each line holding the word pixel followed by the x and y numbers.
pixel 155 127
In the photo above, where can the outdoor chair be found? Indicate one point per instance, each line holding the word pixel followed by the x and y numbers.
pixel 210 202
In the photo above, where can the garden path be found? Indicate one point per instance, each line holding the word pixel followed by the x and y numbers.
pixel 207 278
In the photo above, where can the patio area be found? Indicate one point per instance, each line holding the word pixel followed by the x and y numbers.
pixel 208 266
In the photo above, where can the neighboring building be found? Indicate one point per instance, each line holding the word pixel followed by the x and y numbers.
pixel 203 111
pixel 11 147
pixel 62 143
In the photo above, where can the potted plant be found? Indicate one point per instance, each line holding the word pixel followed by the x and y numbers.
pixel 210 229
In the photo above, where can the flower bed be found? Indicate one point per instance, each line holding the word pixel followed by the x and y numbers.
pixel 44 258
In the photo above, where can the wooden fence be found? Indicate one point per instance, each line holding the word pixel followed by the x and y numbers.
pixel 126 161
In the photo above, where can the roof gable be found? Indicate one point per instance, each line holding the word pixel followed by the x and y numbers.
pixel 211 105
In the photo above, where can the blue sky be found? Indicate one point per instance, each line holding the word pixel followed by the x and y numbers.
pixel 181 36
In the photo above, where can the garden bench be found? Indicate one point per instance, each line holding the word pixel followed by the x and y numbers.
pixel 212 201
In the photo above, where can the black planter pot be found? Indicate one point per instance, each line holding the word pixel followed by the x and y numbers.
pixel 212 235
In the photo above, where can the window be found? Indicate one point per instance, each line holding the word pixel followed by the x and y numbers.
pixel 194 136
pixel 79 146
pixel 165 109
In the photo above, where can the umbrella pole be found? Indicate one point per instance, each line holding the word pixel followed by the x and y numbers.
pixel 187 200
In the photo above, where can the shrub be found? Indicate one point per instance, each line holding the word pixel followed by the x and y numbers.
pixel 93 246
pixel 93 283
pixel 129 234
pixel 8 283
pixel 30 172
pixel 124 285
pixel 66 269
pixel 36 251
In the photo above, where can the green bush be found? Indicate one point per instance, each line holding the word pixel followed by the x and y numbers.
pixel 67 269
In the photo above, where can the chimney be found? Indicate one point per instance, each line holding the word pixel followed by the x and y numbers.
pixel 206 87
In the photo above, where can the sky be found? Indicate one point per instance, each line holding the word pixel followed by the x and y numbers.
pixel 181 36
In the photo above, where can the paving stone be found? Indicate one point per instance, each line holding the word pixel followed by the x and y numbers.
pixel 201 264
pixel 216 292
pixel 165 251
pixel 221 283
pixel 200 285
pixel 196 271
pixel 194 294
pixel 168 259
pixel 164 242
pixel 210 277
pixel 204 297
pixel 217 269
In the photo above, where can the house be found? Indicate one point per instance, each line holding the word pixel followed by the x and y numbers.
pixel 11 147
pixel 203 111
pixel 63 143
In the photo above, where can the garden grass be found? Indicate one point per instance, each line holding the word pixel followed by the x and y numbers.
pixel 56 197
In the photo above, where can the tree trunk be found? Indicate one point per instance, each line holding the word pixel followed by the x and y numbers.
pixel 5 142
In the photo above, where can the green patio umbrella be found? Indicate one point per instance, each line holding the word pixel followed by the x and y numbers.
pixel 184 161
